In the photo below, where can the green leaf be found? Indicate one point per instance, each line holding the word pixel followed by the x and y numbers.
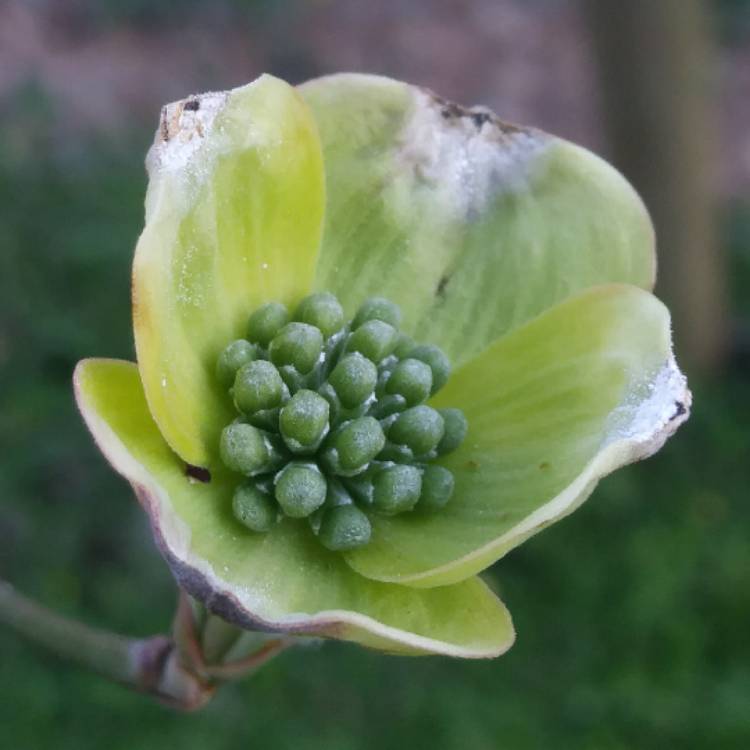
pixel 472 225
pixel 233 219
pixel 588 386
pixel 284 580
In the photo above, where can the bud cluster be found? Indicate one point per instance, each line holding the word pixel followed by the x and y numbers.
pixel 332 422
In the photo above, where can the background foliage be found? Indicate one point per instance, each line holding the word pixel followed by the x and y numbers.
pixel 632 614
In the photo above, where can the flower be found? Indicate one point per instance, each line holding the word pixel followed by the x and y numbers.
pixel 527 259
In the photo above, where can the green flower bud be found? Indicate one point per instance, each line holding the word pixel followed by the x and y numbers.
pixel 244 448
pixel 323 311
pixel 353 379
pixel 334 404
pixel 292 379
pixel 437 487
pixel 335 346
pixel 354 445
pixel 438 362
pixel 397 453
pixel 404 345
pixel 258 386
pixel 377 308
pixel 344 527
pixel 374 339
pixel 351 386
pixel 300 489
pixel 420 428
pixel 298 345
pixel 397 489
pixel 238 353
pixel 267 420
pixel 360 487
pixel 411 379
pixel 387 406
pixel 303 421
pixel 266 322
pixel 254 508
pixel 385 370
pixel 456 427
pixel 338 494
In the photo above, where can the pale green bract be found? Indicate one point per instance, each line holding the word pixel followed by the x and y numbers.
pixel 527 259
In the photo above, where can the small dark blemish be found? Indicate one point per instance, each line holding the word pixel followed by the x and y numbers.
pixel 448 109
pixel 198 473
pixel 164 126
pixel 192 105
pixel 472 465
pixel 441 285
pixel 479 118
pixel 544 465
pixel 679 410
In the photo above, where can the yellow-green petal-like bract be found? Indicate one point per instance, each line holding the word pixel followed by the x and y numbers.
pixel 284 580
pixel 586 387
pixel 472 225
pixel 233 219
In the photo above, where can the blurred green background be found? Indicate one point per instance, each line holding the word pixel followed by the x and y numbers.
pixel 633 615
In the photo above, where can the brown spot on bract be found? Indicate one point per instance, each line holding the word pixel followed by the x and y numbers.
pixel 449 109
pixel 472 465
pixel 478 115
pixel 192 105
pixel 441 285
pixel 679 410
pixel 544 465
pixel 164 125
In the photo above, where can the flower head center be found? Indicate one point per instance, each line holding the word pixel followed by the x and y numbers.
pixel 332 422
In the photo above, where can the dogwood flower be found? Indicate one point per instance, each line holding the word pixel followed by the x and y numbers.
pixel 381 341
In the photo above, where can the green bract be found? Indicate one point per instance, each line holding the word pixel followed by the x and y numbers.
pixel 518 260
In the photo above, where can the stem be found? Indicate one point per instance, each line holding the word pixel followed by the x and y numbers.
pixel 217 650
pixel 149 665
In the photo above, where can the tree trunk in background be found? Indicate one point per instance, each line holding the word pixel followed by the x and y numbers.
pixel 656 68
